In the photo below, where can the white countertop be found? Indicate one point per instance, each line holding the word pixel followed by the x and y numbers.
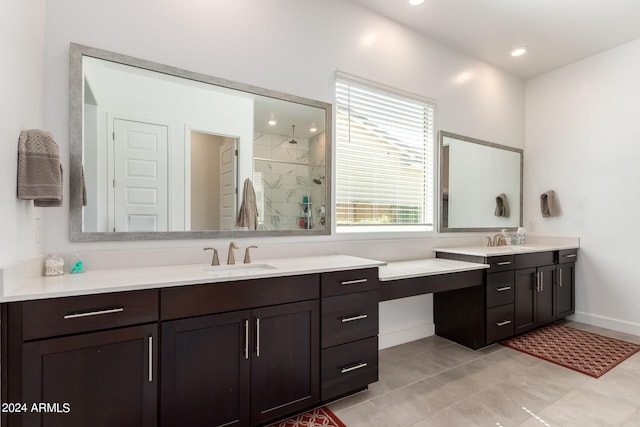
pixel 126 279
pixel 23 282
pixel 485 251
pixel 425 267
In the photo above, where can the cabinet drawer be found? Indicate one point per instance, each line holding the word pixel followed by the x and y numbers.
pixel 500 288
pixel 198 300
pixel 534 259
pixel 70 315
pixel 500 263
pixel 500 323
pixel 349 367
pixel 351 281
pixel 567 255
pixel 349 317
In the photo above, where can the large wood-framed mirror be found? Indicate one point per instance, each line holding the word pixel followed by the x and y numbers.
pixel 159 152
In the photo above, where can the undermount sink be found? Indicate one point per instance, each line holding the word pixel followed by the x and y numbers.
pixel 238 268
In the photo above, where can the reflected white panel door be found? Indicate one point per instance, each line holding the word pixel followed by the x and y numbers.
pixel 228 185
pixel 140 176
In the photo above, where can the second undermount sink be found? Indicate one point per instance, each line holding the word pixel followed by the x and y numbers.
pixel 238 268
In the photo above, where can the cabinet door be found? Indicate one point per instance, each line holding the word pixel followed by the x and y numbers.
pixel 565 290
pixel 544 295
pixel 525 289
pixel 285 364
pixel 106 378
pixel 205 371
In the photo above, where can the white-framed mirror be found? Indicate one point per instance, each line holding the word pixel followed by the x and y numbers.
pixel 159 152
pixel 480 184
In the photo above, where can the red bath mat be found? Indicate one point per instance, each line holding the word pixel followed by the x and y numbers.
pixel 582 351
pixel 319 417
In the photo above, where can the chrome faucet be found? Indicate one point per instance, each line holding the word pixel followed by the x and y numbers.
pixel 500 240
pixel 214 260
pixel 247 256
pixel 231 259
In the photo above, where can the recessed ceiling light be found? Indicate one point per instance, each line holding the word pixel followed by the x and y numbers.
pixel 416 2
pixel 519 51
pixel 313 130
pixel 272 122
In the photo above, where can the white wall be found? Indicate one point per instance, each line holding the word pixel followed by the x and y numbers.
pixel 21 86
pixel 583 142
pixel 293 46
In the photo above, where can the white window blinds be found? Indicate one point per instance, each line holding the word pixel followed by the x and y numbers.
pixel 384 157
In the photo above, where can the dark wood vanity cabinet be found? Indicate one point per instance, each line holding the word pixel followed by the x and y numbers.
pixel 349 335
pixel 565 283
pixel 522 292
pixel 240 353
pixel 500 299
pixel 245 367
pixel 240 368
pixel 206 371
pixel 534 297
pixel 66 354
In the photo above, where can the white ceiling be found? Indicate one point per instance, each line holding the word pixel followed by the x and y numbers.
pixel 555 32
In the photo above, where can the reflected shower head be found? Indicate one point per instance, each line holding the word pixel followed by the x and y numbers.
pixel 318 180
pixel 293 131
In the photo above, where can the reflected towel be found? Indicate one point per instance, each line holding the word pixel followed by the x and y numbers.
pixel 39 169
pixel 502 206
pixel 548 204
pixel 248 215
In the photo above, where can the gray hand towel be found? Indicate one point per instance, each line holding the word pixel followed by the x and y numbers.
pixel 39 169
pixel 502 206
pixel 248 215
pixel 548 204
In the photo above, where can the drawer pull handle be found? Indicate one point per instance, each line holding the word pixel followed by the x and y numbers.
pixel 246 339
pixel 354 282
pixel 504 263
pixel 150 358
pixel 570 256
pixel 506 322
pixel 353 368
pixel 504 288
pixel 352 318
pixel 94 313
pixel 257 337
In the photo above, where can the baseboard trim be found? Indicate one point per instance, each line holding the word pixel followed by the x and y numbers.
pixel 606 322
pixel 394 338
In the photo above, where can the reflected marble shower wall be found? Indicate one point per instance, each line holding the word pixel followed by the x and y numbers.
pixel 318 171
pixel 285 172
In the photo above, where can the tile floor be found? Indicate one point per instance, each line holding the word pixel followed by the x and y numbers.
pixel 435 382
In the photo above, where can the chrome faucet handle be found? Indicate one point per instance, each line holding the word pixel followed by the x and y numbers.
pixel 214 260
pixel 247 256
pixel 231 259
pixel 489 242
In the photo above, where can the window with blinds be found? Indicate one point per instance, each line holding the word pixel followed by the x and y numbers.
pixel 384 157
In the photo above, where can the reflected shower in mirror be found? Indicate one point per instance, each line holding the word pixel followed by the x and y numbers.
pixel 165 151
pixel 480 184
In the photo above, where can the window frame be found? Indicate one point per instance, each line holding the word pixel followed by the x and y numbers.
pixel 431 160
